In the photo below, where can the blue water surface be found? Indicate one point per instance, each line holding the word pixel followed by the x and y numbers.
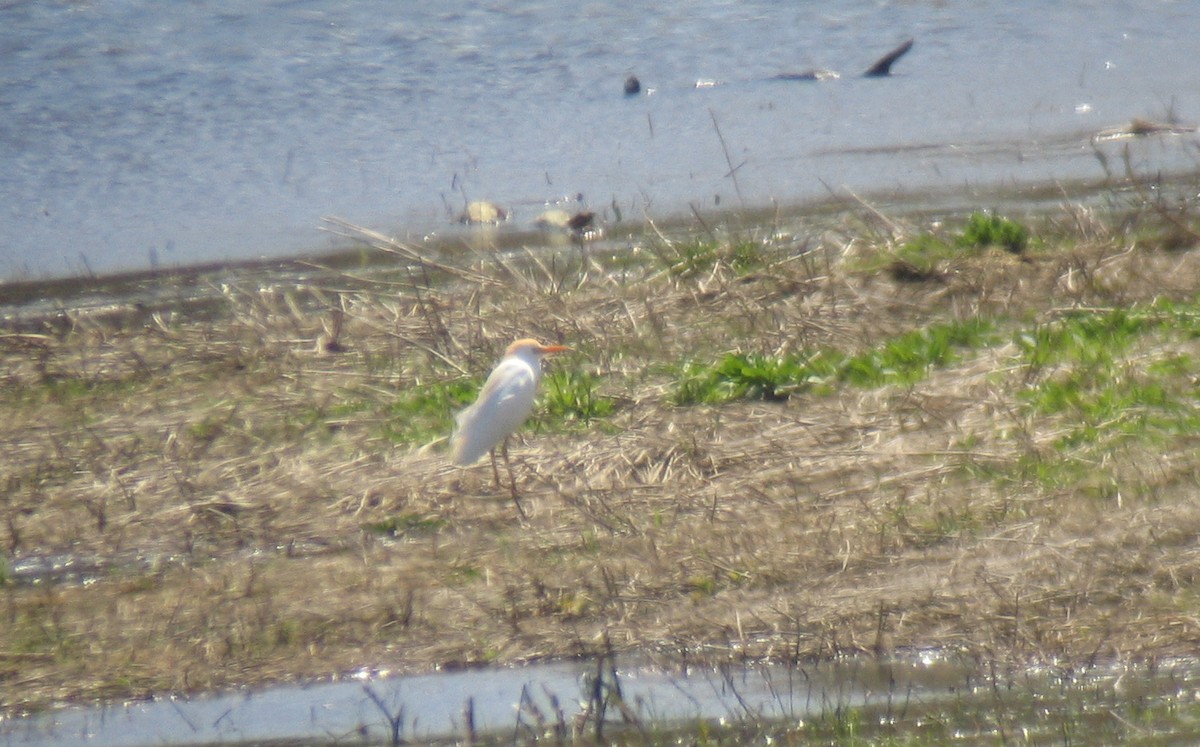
pixel 140 134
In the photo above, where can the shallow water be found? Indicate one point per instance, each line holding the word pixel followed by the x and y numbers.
pixel 923 696
pixel 143 134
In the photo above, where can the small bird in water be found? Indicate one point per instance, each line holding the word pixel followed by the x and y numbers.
pixel 561 220
pixel 503 405
pixel 581 220
pixel 482 211
pixel 632 85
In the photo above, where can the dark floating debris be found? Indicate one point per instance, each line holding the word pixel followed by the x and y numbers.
pixel 883 66
pixel 881 69
pixel 1139 127
pixel 817 74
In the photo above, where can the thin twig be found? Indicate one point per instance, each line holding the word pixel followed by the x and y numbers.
pixel 398 248
pixel 729 161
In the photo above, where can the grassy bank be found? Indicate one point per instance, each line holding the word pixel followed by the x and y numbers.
pixel 976 434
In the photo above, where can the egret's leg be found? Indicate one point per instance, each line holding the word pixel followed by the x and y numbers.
pixel 495 471
pixel 512 479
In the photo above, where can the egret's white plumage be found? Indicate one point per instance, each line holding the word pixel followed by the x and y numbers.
pixel 504 403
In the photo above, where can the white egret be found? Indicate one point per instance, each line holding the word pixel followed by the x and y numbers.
pixel 504 403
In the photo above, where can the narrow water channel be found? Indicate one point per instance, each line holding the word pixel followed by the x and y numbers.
pixel 923 695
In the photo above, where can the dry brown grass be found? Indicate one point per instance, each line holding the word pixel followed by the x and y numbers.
pixel 224 470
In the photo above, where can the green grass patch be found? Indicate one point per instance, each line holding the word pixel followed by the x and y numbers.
pixel 462 574
pixel 694 257
pixel 572 396
pixel 78 391
pixel 1116 382
pixel 908 358
pixel 923 256
pixel 1090 338
pixel 902 360
pixel 1105 404
pixel 687 258
pixel 407 525
pixel 417 414
pixel 1086 373
pixel 1111 385
pixel 747 255
pixel 748 376
pixel 985 229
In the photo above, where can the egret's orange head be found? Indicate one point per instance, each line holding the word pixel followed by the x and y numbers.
pixel 529 343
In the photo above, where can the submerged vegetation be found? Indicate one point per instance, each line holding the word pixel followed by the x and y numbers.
pixel 847 436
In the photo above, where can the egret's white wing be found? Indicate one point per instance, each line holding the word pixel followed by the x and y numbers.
pixel 503 405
